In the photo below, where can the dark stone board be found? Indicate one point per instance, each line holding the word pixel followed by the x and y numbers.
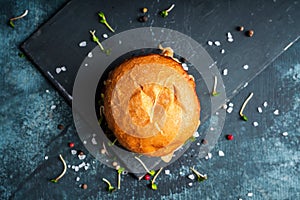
pixel 275 23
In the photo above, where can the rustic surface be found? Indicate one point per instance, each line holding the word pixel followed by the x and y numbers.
pixel 259 160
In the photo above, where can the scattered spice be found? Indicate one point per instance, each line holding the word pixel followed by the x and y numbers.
pixel 147 177
pixel 110 187
pixel 103 21
pixel 250 33
pixel 214 92
pixel 144 10
pixel 200 176
pixel 204 141
pixel 84 186
pixel 243 107
pixel 64 170
pixel 143 18
pixel 151 172
pixel 71 144
pixel 15 18
pixel 229 137
pixel 165 13
pixel 153 185
pixel 120 170
pixel 60 127
pixel 240 28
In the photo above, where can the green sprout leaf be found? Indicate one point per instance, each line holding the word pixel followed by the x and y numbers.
pixel 244 117
pixel 112 143
pixel 110 187
pixel 11 24
pixel 215 93
pixel 21 55
pixel 152 172
pixel 120 170
pixel 154 186
pixel 53 180
pixel 164 13
pixel 103 21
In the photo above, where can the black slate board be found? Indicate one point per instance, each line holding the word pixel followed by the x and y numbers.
pixel 276 25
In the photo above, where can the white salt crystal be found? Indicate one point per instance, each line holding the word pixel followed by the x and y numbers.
pixel 225 106
pixel 58 70
pixel 198 144
pixel 276 112
pixel 63 68
pixel 73 152
pixel 230 39
pixel 73 167
pixel 69 166
pixel 230 109
pixel 209 155
pixel 76 168
pixel 86 64
pixel 82 44
pixel 191 176
pixel 47 91
pixel 94 141
pixel 250 194
pixel 225 72
pixel 167 171
pixel 259 109
pixel 81 157
pixel 46 157
pixel 255 124
pixel 230 104
pixel 221 153
pixel 222 51
pixel 190 184
pixel 90 54
pixel 81 165
pixel 285 134
pixel 246 66
pixel 86 167
pixel 265 104
pixel 217 43
pixel 53 107
pixel 77 178
pixel 246 84
pixel 105 35
pixel 229 35
pixel 209 43
pixel 120 42
pixel 184 66
pixel 84 142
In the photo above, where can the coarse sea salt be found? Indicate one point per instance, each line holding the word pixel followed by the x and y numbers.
pixel 77 178
pixel 63 68
pixel 82 44
pixel 90 54
pixel 276 112
pixel 246 67
pixel 285 133
pixel 217 43
pixel 225 106
pixel 94 142
pixel 53 107
pixel 81 157
pixel 222 51
pixel 230 39
pixel 191 176
pixel 167 171
pixel 73 152
pixel 230 104
pixel 190 184
pixel 210 43
pixel 46 157
pixel 250 194
pixel 230 109
pixel 225 72
pixel 105 35
pixel 259 109
pixel 196 134
pixel 265 104
pixel 58 70
pixel 255 124
pixel 221 153
pixel 184 66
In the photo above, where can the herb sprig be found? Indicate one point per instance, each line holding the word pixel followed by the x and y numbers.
pixel 103 21
pixel 55 180
pixel 120 170
pixel 243 116
pixel 165 13
pixel 96 40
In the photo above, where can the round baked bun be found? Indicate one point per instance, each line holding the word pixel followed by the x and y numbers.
pixel 151 105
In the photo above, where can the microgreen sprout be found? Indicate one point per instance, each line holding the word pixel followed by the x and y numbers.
pixel 243 107
pixel 101 114
pixel 214 92
pixel 120 170
pixel 103 21
pixel 153 184
pixel 112 143
pixel 96 40
pixel 152 172
pixel 165 13
pixel 15 18
pixel 200 177
pixel 110 187
pixel 55 180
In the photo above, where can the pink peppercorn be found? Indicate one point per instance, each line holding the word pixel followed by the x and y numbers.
pixel 147 177
pixel 229 137
pixel 71 144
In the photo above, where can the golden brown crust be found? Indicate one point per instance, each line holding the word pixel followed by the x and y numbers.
pixel 151 105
